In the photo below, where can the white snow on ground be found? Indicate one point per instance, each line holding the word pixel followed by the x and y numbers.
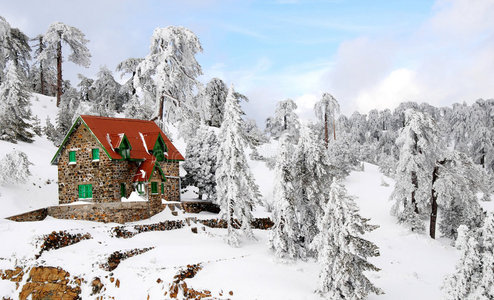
pixel 413 265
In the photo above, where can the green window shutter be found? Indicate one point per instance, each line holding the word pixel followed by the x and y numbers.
pixel 71 156
pixel 89 191
pixel 122 190
pixel 95 154
pixel 140 189
pixel 154 187
pixel 81 191
pixel 162 188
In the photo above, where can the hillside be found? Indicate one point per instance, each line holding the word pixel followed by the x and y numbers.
pixel 413 266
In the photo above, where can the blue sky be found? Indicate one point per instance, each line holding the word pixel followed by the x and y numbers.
pixel 368 54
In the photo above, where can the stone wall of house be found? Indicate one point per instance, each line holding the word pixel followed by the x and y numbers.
pixel 172 184
pixel 104 175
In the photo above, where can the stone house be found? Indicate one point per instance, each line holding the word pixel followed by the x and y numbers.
pixel 104 159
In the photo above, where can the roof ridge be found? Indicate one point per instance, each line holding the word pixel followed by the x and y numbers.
pixel 116 119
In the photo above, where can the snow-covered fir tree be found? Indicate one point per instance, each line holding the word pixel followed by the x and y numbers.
pixel 284 120
pixel 457 182
pixel 418 144
pixel 326 110
pixel 129 66
pixel 341 250
pixel 284 237
pixel 212 101
pixel 236 190
pixel 75 39
pixel 312 179
pixel 201 162
pixel 474 274
pixel 252 134
pixel 15 111
pixel 14 168
pixel 107 95
pixel 172 63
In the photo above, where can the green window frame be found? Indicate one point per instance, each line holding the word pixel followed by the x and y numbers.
pixel 85 191
pixel 162 187
pixel 122 190
pixel 72 158
pixel 154 187
pixel 95 154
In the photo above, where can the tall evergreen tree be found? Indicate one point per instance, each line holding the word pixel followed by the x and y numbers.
pixel 172 62
pixel 474 274
pixel 326 110
pixel 284 237
pixel 342 251
pixel 235 187
pixel 285 120
pixel 312 179
pixel 75 39
pixel 418 150
pixel 15 112
pixel 212 102
pixel 201 163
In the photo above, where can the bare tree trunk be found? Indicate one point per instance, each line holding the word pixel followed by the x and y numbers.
pixel 160 113
pixel 416 185
pixel 59 70
pixel 334 129
pixel 326 129
pixel 41 75
pixel 432 225
pixel 433 221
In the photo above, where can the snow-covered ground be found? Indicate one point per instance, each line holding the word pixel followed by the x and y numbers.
pixel 413 265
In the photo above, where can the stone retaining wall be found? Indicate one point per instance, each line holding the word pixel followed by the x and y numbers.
pixel 120 212
pixel 196 207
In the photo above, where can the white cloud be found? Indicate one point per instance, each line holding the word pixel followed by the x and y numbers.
pixel 449 58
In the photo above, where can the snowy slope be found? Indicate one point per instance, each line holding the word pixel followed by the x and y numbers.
pixel 41 188
pixel 413 265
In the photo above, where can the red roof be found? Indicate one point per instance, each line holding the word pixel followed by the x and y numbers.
pixel 141 134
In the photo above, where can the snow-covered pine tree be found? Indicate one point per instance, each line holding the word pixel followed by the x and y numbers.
pixel 342 251
pixel 236 189
pixel 474 274
pixel 326 110
pixel 419 148
pixel 485 288
pixel 284 237
pixel 172 62
pixel 66 113
pixel 457 181
pixel 14 168
pixel 106 92
pixel 212 101
pixel 284 120
pixel 252 134
pixel 201 163
pixel 15 111
pixel 75 38
pixel 312 179
pixel 129 66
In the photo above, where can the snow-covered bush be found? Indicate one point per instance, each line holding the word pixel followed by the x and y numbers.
pixel 14 168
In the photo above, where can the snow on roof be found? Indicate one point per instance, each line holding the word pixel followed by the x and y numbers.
pixel 144 142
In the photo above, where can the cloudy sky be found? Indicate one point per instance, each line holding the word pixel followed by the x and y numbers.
pixel 368 54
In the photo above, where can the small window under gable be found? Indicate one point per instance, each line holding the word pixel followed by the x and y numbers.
pixel 154 187
pixel 159 150
pixel 124 148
